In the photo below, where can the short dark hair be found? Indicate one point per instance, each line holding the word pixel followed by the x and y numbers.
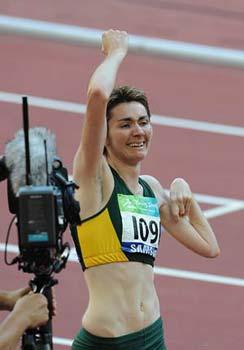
pixel 126 93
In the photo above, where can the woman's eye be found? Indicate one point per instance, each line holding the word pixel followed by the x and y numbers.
pixel 144 123
pixel 125 125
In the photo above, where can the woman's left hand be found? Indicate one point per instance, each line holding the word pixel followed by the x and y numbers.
pixel 180 198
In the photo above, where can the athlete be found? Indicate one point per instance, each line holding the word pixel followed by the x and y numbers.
pixel 122 213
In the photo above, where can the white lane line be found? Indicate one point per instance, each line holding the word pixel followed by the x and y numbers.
pixel 223 210
pixel 75 35
pixel 12 248
pixel 214 200
pixel 41 102
pixel 205 198
pixel 202 198
pixel 62 341
pixel 198 125
pixel 204 277
pixel 197 276
pixel 72 107
pixel 163 271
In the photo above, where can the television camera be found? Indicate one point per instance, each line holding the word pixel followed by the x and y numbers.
pixel 41 197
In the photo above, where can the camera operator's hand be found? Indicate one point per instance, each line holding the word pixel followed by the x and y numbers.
pixel 33 308
pixel 30 311
pixel 9 298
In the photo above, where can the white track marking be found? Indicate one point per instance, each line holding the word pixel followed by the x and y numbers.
pixel 198 125
pixel 12 248
pixel 62 341
pixel 160 120
pixel 227 209
pixel 156 119
pixel 197 276
pixel 80 36
pixel 41 102
pixel 214 200
pixel 162 271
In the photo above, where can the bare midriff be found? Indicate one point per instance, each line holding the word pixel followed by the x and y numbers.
pixel 122 299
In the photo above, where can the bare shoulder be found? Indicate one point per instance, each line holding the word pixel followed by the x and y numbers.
pixel 157 188
pixel 94 192
pixel 152 181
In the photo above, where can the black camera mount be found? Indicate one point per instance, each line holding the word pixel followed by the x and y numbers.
pixel 41 338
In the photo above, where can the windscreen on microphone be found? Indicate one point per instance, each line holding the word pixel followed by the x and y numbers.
pixel 15 156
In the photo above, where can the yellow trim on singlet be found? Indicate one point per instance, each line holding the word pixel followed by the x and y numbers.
pixel 99 241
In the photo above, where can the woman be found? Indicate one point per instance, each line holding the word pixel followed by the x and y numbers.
pixel 121 213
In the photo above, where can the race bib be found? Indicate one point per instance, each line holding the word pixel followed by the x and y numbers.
pixel 141 224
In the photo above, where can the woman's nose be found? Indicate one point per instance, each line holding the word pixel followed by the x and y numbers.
pixel 137 129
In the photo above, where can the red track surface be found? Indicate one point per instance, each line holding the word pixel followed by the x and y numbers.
pixel 198 315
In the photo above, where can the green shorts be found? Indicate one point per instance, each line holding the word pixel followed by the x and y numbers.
pixel 149 338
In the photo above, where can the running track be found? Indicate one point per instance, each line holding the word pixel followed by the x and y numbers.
pixel 198 314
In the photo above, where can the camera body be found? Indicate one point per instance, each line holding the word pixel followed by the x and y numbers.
pixel 40 217
pixel 41 196
pixel 43 213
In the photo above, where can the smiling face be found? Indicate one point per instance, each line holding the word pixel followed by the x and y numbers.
pixel 129 132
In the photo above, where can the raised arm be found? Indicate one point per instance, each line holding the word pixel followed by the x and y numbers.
pixel 88 159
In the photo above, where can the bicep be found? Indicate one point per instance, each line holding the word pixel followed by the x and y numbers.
pixel 89 155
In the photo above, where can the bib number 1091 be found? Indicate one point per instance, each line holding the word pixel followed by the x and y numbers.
pixel 146 231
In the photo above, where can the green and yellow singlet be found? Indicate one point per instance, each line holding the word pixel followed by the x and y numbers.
pixel 126 229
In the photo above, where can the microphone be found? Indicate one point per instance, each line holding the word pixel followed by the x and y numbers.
pixel 15 157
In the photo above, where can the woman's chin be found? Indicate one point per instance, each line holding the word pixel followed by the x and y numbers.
pixel 137 157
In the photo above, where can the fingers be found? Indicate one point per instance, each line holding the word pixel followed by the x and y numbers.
pixel 180 199
pixel 38 313
pixel 33 309
pixel 114 40
pixel 174 207
pixel 188 206
pixel 183 205
pixel 177 205
pixel 174 210
pixel 24 291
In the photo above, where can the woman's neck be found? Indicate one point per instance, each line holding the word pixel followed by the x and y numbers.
pixel 129 173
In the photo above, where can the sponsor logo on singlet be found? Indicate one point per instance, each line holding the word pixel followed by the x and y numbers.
pixel 141 224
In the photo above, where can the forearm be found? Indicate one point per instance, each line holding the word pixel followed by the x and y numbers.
pixel 11 329
pixel 104 77
pixel 195 234
pixel 201 225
